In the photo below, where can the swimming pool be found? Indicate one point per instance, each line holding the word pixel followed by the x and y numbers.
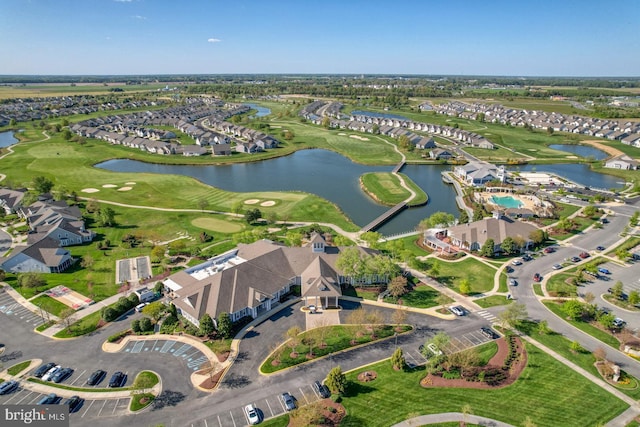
pixel 506 202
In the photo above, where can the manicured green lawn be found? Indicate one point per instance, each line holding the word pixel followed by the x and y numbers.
pixel 565 210
pixel 45 325
pixel 583 326
pixel 411 245
pixel 557 285
pixel 547 391
pixel 84 326
pixel 503 282
pixel 421 197
pixel 537 289
pixel 486 351
pixel 15 369
pixel 422 296
pixel 336 338
pixel 385 188
pixel 479 275
pixel 493 301
pixel 562 345
pixel 49 304
pixel 137 401
pixel 281 421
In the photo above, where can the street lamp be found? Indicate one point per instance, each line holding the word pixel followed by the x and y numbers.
pixel 396 335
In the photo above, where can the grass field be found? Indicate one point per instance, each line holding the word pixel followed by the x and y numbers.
pixel 479 275
pixel 493 301
pixel 597 333
pixel 218 225
pixel 559 286
pixel 420 297
pixel 16 369
pixel 385 188
pixel 49 304
pixel 395 396
pixel 28 91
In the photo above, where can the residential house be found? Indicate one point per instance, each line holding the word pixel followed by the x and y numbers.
pixel 10 200
pixel 44 256
pixel 621 162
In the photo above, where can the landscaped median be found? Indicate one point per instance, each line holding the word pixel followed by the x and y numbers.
pixel 323 341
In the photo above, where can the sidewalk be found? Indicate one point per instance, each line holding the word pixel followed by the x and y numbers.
pixel 447 417
pixel 467 302
pixel 24 302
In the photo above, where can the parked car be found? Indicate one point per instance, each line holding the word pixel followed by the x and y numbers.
pixel 557 267
pixel 537 277
pixel 51 372
pixel 252 414
pixel 49 399
pixel 140 306
pixel 623 296
pixel 74 402
pixel 43 369
pixel 321 389
pixel 513 282
pixel 618 322
pixel 516 262
pixel 604 270
pixel 548 250
pixel 118 379
pixel 457 310
pixel 96 377
pixel 527 257
pixel 600 248
pixel 288 401
pixel 62 375
pixel 575 259
pixel 489 333
pixel 604 221
pixel 8 386
pixel 434 349
pixel 584 255
pixel 509 269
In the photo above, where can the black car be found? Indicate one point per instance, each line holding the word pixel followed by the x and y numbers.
pixel 49 399
pixel 62 375
pixel 489 333
pixel 74 402
pixel 118 379
pixel 96 377
pixel 527 257
pixel 8 386
pixel 43 369
pixel 321 389
pixel 289 401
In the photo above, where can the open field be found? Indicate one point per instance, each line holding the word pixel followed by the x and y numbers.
pixel 538 393
pixel 479 275
pixel 385 188
pixel 50 90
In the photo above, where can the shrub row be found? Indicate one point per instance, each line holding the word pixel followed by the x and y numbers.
pixel 124 304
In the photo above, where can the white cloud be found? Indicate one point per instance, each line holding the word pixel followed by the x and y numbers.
pixel 139 17
pixel 212 40
pixel 123 1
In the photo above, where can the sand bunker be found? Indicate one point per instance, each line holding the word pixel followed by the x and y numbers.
pixel 251 201
pixel 342 134
pixel 361 138
pixel 571 157
pixel 89 190
pixel 268 203
pixel 129 183
pixel 124 188
pixel 109 186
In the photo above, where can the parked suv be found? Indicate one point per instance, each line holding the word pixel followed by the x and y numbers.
pixel 62 375
pixel 8 386
pixel 289 402
pixel 321 389
pixel 43 369
pixel 489 333
pixel 96 377
pixel 118 379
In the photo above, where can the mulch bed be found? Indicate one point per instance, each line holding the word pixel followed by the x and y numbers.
pixel 223 356
pixel 331 419
pixel 496 362
pixel 211 383
pixel 367 376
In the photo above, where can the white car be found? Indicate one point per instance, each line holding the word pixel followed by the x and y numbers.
pixel 557 267
pixel 51 372
pixel 516 262
pixel 435 350
pixel 252 414
pixel 513 282
pixel 458 311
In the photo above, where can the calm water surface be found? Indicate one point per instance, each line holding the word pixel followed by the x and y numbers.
pixel 577 172
pixel 325 173
pixel 581 150
pixel 7 139
pixel 262 111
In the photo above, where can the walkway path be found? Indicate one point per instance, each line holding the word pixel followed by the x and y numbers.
pixel 447 417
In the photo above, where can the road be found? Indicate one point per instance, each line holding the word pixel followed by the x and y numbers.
pixel 588 241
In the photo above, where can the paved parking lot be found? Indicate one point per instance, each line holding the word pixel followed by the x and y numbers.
pixel 191 355
pixel 269 407
pixel 10 307
pixel 461 342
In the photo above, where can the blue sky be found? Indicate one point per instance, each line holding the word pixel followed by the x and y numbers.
pixel 533 38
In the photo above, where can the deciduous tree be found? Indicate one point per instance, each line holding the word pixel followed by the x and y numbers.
pixel 397 287
pixel 513 314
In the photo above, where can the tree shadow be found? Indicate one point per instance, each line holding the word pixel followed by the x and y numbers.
pixel 235 381
pixel 167 398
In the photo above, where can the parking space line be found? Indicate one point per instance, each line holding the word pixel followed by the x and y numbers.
pixel 20 401
pixel 232 419
pixel 38 397
pixel 115 407
pixel 219 421
pixel 467 338
pixel 205 423
pixel 89 407
pixel 14 396
pixel 78 377
pixel 303 395
pixel 269 406
pixel 103 405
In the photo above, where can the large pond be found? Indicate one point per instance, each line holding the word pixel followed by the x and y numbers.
pixel 325 173
pixel 262 111
pixel 581 150
pixel 374 114
pixel 7 139
pixel 579 173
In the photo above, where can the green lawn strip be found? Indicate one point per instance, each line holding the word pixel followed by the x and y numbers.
pixel 546 391
pixel 557 285
pixel 564 211
pixel 49 304
pixel 421 196
pixel 628 244
pixel 45 325
pixel 84 326
pixel 421 296
pixel 537 289
pixel 363 293
pixel 81 389
pixel 486 351
pixel 384 187
pixel 219 346
pixel 140 401
pixel 619 303
pixel 583 326
pixel 633 424
pixel 585 360
pixel 150 378
pixel 479 275
pixel 411 245
pixel 336 338
pixel 503 287
pixel 492 301
pixel 279 421
pixel 16 369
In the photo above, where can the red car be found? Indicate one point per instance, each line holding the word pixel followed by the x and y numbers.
pixel 549 250
pixel 537 277
pixel 584 255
